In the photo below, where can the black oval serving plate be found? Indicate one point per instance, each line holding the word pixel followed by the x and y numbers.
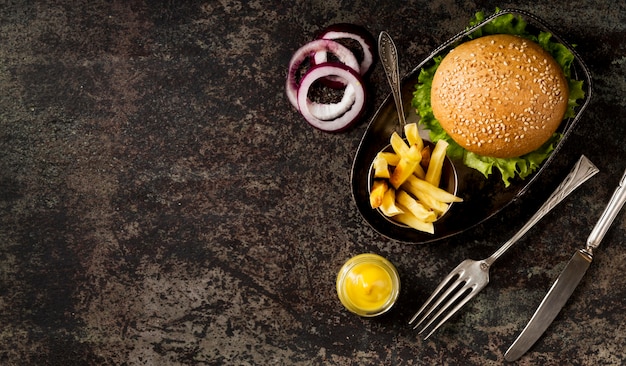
pixel 482 197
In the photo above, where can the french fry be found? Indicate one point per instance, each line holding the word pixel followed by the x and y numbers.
pixel 378 193
pixel 422 213
pixel 405 167
pixel 407 184
pixel 425 199
pixel 410 157
pixel 435 192
pixel 389 207
pixel 410 220
pixel 381 167
pixel 419 171
pixel 435 166
pixel 399 146
pixel 425 157
pixel 392 158
pixel 411 131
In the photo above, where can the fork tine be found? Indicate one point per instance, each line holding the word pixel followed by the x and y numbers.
pixel 473 292
pixel 449 281
pixel 457 272
pixel 459 291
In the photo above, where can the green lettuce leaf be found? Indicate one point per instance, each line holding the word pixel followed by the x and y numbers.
pixel 509 168
pixel 576 92
pixel 505 24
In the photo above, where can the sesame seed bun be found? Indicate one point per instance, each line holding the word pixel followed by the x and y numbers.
pixel 501 96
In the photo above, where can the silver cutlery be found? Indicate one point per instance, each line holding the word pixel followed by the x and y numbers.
pixel 471 276
pixel 389 59
pixel 569 278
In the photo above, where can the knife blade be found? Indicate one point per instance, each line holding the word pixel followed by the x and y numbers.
pixel 569 278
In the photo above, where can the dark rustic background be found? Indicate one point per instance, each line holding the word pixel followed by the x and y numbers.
pixel 162 203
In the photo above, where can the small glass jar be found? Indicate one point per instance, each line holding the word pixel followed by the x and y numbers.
pixel 368 285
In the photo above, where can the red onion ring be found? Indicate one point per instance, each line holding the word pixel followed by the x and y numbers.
pixel 348 31
pixel 330 111
pixel 352 78
pixel 343 54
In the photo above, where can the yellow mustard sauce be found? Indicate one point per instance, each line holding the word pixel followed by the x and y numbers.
pixel 368 285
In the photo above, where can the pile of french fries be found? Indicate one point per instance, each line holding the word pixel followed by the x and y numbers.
pixel 406 181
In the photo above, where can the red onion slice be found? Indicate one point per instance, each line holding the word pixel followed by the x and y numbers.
pixel 343 54
pixel 351 77
pixel 348 31
pixel 329 111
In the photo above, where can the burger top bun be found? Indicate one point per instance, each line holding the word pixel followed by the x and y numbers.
pixel 501 96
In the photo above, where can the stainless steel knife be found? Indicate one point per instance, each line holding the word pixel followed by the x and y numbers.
pixel 567 281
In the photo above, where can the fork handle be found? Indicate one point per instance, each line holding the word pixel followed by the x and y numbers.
pixel 580 173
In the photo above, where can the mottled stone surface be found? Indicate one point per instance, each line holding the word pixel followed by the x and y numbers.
pixel 162 203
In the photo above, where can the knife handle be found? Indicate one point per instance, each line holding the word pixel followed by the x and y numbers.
pixel 609 214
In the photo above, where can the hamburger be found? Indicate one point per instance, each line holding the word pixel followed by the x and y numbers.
pixel 498 99
pixel 499 95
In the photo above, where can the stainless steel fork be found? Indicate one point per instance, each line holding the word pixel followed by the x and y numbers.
pixel 471 276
